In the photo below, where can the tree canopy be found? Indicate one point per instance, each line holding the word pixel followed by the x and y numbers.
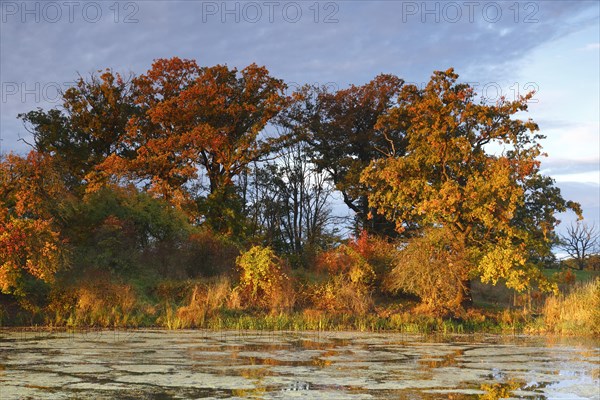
pixel 471 169
pixel 185 161
pixel 342 133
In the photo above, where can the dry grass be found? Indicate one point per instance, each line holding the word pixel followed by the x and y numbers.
pixel 205 301
pixel 106 305
pixel 98 303
pixel 283 299
pixel 577 312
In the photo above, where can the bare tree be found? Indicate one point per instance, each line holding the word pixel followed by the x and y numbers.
pixel 580 242
pixel 289 202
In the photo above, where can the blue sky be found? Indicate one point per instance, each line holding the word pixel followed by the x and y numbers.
pixel 511 46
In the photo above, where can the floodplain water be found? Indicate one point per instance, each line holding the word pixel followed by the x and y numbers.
pixel 158 364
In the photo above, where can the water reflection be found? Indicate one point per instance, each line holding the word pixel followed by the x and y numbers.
pixel 198 364
pixel 501 390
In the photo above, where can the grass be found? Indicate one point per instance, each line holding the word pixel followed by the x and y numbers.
pixel 212 304
pixel 580 276
pixel 227 319
pixel 308 320
pixel 576 312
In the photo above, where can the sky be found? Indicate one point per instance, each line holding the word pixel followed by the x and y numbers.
pixel 500 47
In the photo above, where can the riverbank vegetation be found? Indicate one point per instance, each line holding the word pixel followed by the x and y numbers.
pixel 209 197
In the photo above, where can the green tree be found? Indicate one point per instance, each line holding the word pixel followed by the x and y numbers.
pixel 124 231
pixel 88 127
pixel 341 130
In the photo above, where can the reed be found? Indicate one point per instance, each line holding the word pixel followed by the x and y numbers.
pixel 212 304
pixel 574 313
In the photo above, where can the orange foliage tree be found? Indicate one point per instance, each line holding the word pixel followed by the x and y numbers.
pixel 191 117
pixel 30 239
pixel 86 129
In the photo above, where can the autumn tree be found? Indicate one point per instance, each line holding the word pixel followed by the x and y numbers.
pixel 87 128
pixel 580 242
pixel 162 156
pixel 31 243
pixel 207 117
pixel 471 169
pixel 342 132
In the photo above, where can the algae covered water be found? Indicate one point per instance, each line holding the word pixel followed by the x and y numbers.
pixel 155 364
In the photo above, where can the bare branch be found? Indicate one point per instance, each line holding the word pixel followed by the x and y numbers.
pixel 580 242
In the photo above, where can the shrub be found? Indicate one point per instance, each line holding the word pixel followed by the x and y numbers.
pixel 263 283
pixel 364 260
pixel 339 294
pixel 356 269
pixel 432 267
pixel 378 252
pixel 565 277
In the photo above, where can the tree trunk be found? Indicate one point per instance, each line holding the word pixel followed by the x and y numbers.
pixel 467 297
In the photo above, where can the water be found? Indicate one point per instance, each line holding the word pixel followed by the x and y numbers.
pixel 154 364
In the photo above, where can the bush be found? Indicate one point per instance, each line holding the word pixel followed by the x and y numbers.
pixel 339 294
pixel 356 270
pixel 434 268
pixel 364 260
pixel 346 261
pixel 263 283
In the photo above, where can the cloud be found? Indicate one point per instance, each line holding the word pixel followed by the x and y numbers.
pixel 591 47
pixel 369 37
pixel 341 42
pixel 567 166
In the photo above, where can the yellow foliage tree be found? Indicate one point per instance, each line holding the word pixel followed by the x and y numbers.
pixel 470 169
